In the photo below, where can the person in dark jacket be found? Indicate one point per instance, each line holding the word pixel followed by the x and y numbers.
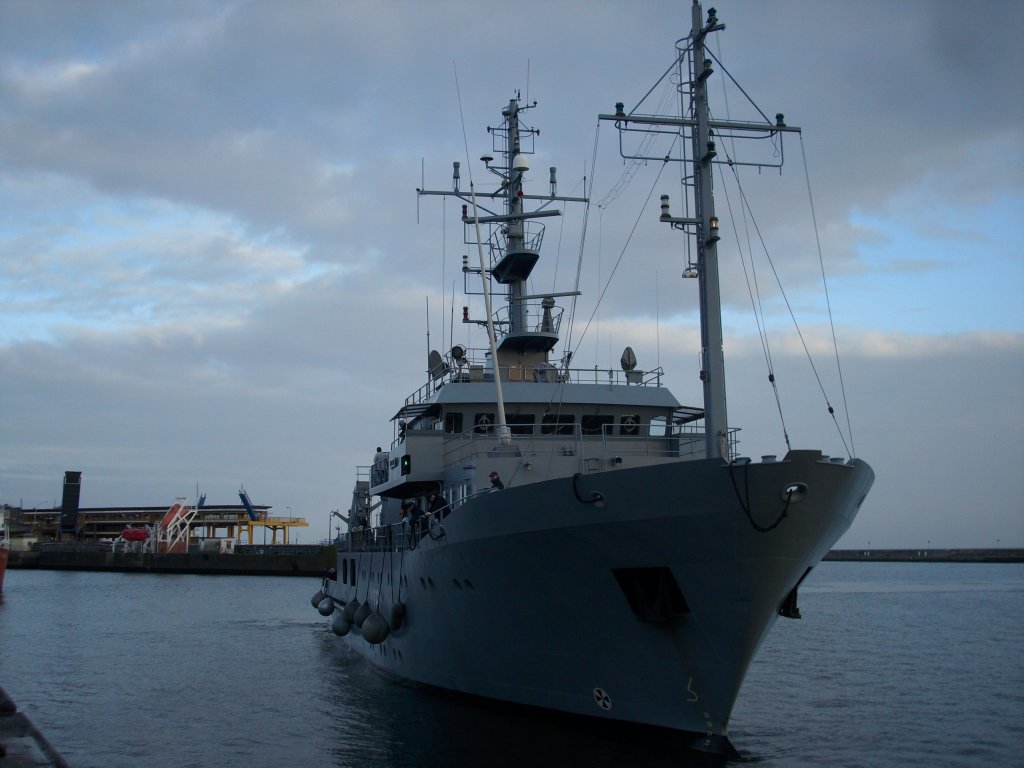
pixel 496 483
pixel 415 514
pixel 436 505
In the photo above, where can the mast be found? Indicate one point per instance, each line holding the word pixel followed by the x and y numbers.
pixel 700 129
pixel 529 329
pixel 514 206
pixel 712 355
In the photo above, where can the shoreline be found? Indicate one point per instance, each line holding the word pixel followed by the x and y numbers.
pixel 315 560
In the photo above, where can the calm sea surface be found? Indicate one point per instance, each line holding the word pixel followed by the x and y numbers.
pixel 892 665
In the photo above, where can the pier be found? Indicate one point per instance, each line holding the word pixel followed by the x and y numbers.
pixel 252 560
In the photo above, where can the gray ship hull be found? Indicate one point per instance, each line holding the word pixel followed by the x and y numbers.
pixel 644 603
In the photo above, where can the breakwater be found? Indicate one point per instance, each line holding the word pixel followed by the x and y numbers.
pixel 928 555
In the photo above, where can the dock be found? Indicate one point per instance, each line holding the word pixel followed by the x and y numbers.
pixel 246 560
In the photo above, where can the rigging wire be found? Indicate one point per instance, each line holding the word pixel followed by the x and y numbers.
pixel 625 245
pixel 789 307
pixel 753 286
pixel 657 323
pixel 504 436
pixel 758 306
pixel 579 256
pixel 828 302
pixel 596 316
pixel 644 148
pixel 561 231
pixel 444 261
pixel 753 290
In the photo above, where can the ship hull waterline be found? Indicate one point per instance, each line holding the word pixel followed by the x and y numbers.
pixel 564 582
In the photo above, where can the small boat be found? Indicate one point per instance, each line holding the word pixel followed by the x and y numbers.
pixel 576 539
pixel 134 534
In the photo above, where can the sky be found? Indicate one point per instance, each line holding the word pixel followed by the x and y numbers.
pixel 215 271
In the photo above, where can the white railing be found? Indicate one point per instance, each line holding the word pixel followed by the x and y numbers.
pixel 476 366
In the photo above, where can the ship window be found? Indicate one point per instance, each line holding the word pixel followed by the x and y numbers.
pixel 521 423
pixel 352 572
pixel 594 425
pixel 483 423
pixel 344 571
pixel 558 424
pixel 658 425
pixel 453 422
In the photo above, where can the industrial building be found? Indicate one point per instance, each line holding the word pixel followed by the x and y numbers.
pixel 244 523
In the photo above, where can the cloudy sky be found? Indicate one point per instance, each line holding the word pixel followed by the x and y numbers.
pixel 214 269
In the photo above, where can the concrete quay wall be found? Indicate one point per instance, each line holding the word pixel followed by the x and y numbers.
pixel 260 561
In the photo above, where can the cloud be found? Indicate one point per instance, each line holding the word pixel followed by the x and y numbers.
pixel 215 268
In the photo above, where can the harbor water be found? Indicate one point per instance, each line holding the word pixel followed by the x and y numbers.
pixel 893 664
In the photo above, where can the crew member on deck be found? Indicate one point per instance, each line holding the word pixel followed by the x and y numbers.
pixel 415 514
pixel 436 505
pixel 496 483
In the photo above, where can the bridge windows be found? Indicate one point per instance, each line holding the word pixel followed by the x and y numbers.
pixel 558 424
pixel 521 423
pixel 595 425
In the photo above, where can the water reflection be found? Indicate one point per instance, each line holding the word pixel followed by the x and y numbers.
pixel 382 722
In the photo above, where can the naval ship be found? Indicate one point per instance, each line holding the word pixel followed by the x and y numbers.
pixel 577 539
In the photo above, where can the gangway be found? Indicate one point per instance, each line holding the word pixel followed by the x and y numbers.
pixel 173 531
pixel 249 508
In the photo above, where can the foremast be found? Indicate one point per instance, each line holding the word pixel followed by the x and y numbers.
pixel 695 71
pixel 514 248
pixel 716 420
